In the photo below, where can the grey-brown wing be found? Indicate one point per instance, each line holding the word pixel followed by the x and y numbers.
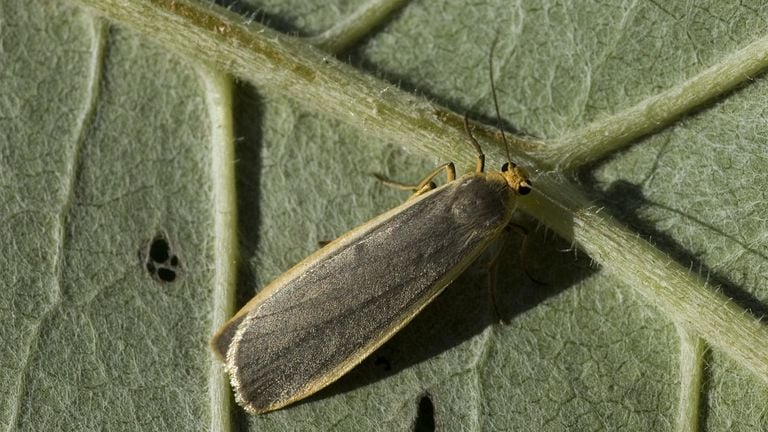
pixel 332 315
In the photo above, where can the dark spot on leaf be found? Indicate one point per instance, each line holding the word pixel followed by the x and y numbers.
pixel 383 362
pixel 160 260
pixel 159 249
pixel 166 275
pixel 425 415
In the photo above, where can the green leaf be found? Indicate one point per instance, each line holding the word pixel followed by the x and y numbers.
pixel 107 139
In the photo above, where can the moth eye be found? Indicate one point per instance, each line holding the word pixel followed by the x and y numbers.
pixel 505 167
pixel 524 188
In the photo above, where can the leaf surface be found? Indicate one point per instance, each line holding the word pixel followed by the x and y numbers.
pixel 105 140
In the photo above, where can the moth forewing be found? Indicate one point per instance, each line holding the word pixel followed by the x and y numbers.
pixel 326 314
pixel 222 339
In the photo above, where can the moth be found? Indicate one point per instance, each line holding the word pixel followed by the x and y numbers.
pixel 322 317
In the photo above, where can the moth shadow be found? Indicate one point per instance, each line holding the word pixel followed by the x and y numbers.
pixel 466 308
pixel 625 201
pixel 249 112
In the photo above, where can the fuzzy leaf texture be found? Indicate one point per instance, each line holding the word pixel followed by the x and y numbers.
pixel 107 138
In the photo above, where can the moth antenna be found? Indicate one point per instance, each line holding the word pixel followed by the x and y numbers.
pixel 495 99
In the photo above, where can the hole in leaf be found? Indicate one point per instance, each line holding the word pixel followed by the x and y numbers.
pixel 159 249
pixel 425 415
pixel 159 259
pixel 166 275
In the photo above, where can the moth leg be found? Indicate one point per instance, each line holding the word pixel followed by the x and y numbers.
pixel 523 231
pixel 493 277
pixel 493 267
pixel 480 166
pixel 426 184
pixel 401 186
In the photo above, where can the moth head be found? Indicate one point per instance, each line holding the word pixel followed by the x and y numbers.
pixel 517 178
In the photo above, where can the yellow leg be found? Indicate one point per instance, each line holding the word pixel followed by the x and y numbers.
pixel 395 184
pixel 480 167
pixel 426 184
